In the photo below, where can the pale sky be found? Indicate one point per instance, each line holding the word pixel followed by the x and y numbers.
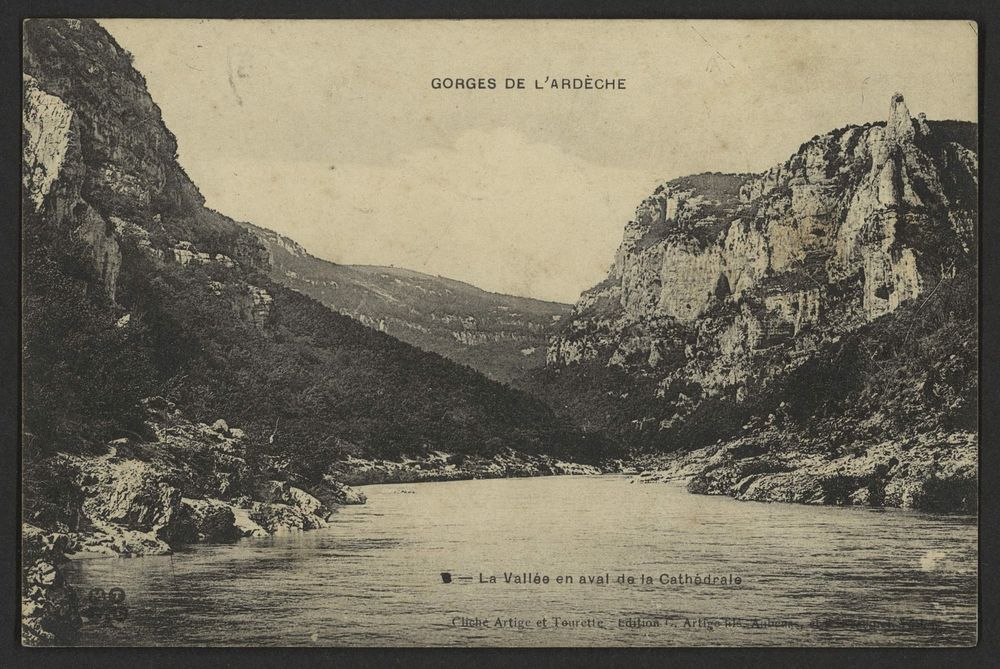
pixel 331 133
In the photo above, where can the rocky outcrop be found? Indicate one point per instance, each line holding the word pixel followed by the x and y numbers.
pixel 867 240
pixel 185 253
pixel 99 163
pixel 688 279
pixel 207 520
pixel 191 484
pixel 131 493
pixel 50 611
pixel 47 121
pixel 834 210
pixel 99 235
pixel 935 472
pixel 333 492
pixel 284 517
pixel 727 289
pixel 54 181
pixel 285 507
pixel 256 307
pixel 867 203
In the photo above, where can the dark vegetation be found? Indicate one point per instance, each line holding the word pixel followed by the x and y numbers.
pixel 82 375
pixel 960 132
pixel 309 387
pixel 601 400
pixel 915 370
pixel 324 385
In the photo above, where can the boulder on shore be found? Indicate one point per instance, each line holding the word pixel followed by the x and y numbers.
pixel 332 492
pixel 206 520
pixel 132 495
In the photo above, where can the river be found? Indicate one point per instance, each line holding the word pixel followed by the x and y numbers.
pixel 806 575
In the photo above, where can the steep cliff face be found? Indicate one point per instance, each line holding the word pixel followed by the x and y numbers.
pixel 501 336
pixel 134 289
pixel 99 163
pixel 724 285
pixel 858 202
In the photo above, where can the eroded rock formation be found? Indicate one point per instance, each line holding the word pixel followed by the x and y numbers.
pixel 863 203
pixel 727 285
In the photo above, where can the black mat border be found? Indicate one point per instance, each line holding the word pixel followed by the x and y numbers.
pixel 12 655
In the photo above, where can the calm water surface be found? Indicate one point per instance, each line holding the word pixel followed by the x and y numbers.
pixel 810 575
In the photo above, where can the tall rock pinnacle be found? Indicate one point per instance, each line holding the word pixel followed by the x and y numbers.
pixel 899 125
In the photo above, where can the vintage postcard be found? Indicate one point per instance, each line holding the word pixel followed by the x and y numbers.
pixel 500 333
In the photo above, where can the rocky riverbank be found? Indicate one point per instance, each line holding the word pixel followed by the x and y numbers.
pixel 190 482
pixel 440 466
pixel 933 472
pixel 50 613
pixel 182 482
pixel 186 482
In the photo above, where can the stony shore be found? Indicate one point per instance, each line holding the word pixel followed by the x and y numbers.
pixel 440 466
pixel 191 482
pixel 934 472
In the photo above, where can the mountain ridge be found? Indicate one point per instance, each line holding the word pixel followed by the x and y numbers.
pixel 502 336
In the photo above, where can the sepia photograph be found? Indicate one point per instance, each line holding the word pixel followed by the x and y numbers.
pixel 499 333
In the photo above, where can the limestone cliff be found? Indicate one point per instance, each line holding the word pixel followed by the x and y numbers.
pixel 890 207
pixel 99 164
pixel 725 284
